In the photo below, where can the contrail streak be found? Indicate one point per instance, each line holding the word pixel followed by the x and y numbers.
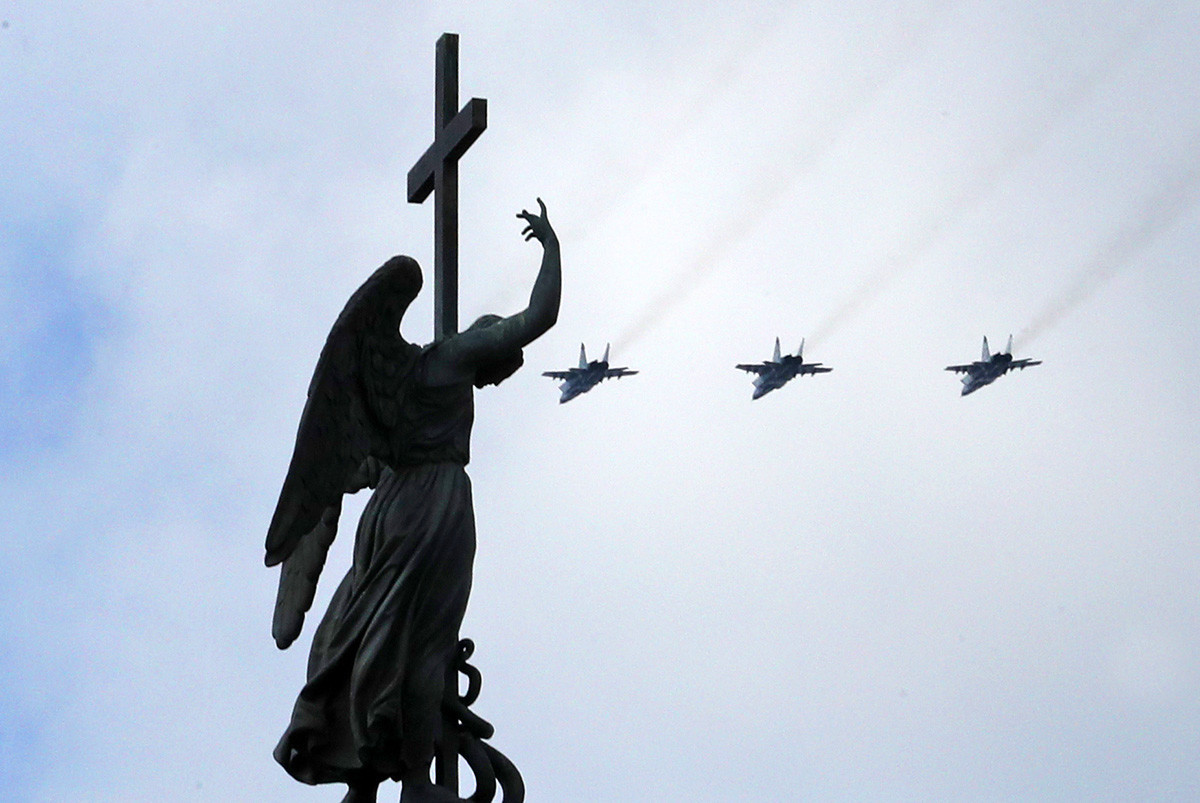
pixel 970 194
pixel 780 175
pixel 711 89
pixel 1160 212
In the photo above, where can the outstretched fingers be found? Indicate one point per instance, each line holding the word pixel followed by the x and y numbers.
pixel 537 223
pixel 525 213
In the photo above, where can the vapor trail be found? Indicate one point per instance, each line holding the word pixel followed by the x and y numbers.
pixel 714 86
pixel 779 175
pixel 1174 198
pixel 970 194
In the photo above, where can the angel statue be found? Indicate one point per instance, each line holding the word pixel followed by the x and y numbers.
pixel 382 691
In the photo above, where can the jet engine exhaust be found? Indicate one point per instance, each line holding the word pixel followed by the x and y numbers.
pixel 978 186
pixel 788 161
pixel 1159 213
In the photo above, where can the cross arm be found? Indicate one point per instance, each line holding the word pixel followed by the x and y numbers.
pixel 451 143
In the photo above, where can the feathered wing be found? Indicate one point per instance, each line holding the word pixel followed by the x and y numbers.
pixel 302 568
pixel 345 431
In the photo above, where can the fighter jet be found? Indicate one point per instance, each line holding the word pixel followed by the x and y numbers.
pixel 778 371
pixel 989 368
pixel 586 376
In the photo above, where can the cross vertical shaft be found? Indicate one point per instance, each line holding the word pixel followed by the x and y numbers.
pixel 445 197
pixel 437 171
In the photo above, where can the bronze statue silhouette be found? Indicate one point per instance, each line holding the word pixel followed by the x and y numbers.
pixel 387 414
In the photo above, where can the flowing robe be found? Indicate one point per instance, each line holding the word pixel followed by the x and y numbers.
pixel 372 705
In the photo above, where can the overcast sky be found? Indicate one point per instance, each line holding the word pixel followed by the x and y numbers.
pixel 860 587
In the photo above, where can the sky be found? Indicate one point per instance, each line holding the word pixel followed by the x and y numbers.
pixel 862 586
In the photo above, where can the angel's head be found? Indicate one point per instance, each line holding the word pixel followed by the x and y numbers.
pixel 495 371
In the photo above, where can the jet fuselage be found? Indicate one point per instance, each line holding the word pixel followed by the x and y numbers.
pixel 582 380
pixel 776 372
pixel 586 375
pixel 777 375
pixel 986 373
pixel 989 367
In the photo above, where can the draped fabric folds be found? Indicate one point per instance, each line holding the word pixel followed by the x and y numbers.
pixel 371 706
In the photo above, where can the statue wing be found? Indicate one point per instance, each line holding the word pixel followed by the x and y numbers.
pixel 345 431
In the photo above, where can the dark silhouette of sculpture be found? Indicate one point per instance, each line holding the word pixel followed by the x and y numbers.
pixel 387 414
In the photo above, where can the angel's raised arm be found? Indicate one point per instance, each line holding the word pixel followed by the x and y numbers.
pixel 461 354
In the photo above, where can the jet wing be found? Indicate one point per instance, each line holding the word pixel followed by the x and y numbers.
pixel 816 368
pixel 962 369
pixel 557 374
pixel 756 368
pixel 618 372
pixel 1023 364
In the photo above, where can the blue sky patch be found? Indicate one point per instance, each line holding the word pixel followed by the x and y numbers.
pixel 54 326
pixel 19 736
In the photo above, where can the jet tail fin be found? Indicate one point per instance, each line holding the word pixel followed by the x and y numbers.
pixel 606 347
pixel 582 357
pixel 800 353
pixel 986 354
pixel 1008 348
pixel 777 358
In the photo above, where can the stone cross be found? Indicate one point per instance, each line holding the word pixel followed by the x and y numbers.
pixel 437 172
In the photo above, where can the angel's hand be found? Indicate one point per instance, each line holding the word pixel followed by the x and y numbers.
pixel 538 225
